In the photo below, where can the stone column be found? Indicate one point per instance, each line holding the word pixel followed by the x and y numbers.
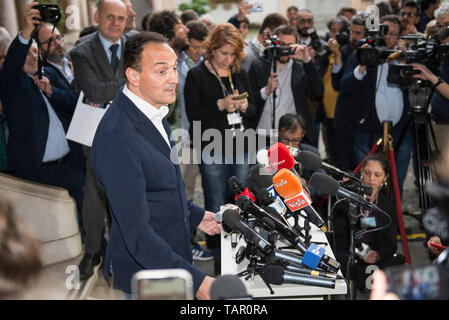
pixel 20 7
pixel 8 17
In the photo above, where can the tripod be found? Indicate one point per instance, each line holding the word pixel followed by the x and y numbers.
pixel 388 150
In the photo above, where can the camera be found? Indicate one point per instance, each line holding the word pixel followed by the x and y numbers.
pixel 316 44
pixel 49 13
pixel 342 37
pixel 376 52
pixel 275 50
pixel 357 187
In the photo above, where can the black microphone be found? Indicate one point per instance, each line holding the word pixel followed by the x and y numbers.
pixel 275 274
pixel 235 221
pixel 228 287
pixel 329 185
pixel 313 161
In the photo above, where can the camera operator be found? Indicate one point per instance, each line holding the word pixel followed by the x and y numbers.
pixel 375 101
pixel 296 79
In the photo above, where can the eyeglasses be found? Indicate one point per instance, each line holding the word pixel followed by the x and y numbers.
pixel 286 140
pixel 59 38
pixel 304 21
pixel 408 14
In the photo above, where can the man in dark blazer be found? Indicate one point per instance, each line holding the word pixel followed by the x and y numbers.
pixel 99 73
pixel 305 82
pixel 137 166
pixel 36 115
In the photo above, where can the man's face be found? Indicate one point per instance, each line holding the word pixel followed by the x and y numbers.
pixel 392 37
pixel 30 66
pixel 244 29
pixel 286 40
pixel 159 77
pixel 291 138
pixel 55 51
pixel 335 29
pixel 356 33
pixel 304 21
pixel 131 20
pixel 195 49
pixel 291 16
pixel 112 20
pixel 180 40
pixel 409 16
pixel 442 22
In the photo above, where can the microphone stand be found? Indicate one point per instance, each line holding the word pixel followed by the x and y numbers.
pixel 351 271
pixel 254 267
pixel 274 70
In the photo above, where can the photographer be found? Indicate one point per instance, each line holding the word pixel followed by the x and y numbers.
pixel 375 101
pixel 295 80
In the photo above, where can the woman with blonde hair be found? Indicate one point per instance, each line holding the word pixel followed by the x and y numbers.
pixel 218 98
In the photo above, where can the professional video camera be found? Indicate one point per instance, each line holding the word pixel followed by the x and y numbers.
pixel 274 49
pixel 426 281
pixel 50 13
pixel 376 52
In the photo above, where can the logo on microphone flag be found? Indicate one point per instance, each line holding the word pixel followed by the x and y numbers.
pixel 298 202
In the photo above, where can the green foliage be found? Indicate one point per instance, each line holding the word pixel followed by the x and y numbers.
pixel 200 6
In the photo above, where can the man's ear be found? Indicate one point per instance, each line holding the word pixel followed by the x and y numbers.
pixel 133 77
pixel 96 16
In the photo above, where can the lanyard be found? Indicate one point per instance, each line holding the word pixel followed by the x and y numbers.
pixel 223 87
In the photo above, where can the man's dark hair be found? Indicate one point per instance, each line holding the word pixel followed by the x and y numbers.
pixel 392 18
pixel 295 8
pixel 286 30
pixel 87 30
pixel 144 22
pixel 197 30
pixel 292 122
pixel 412 4
pixel 272 21
pixel 343 10
pixel 359 19
pixel 164 22
pixel 384 8
pixel 136 44
pixel 189 15
pixel 424 4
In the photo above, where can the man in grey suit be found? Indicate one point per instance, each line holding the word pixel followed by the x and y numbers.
pixel 99 73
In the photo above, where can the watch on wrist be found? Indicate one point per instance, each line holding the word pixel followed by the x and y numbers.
pixel 440 81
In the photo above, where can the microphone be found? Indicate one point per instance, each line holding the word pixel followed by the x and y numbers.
pixel 235 221
pixel 313 161
pixel 228 287
pixel 238 189
pixel 280 157
pixel 275 274
pixel 289 187
pixel 262 157
pixel 329 185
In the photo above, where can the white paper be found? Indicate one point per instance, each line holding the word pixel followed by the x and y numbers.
pixel 84 122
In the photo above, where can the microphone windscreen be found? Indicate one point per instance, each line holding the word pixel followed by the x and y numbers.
pixel 262 157
pixel 280 157
pixel 231 218
pixel 273 274
pixel 228 287
pixel 235 185
pixel 287 184
pixel 309 159
pixel 323 183
pixel 259 178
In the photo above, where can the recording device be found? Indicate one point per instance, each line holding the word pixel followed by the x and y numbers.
pixel 357 187
pixel 342 37
pixel 229 287
pixel 274 50
pixel 242 96
pixel 421 282
pixel 376 52
pixel 280 157
pixel 257 6
pixel 275 274
pixel 162 284
pixel 50 13
pixel 315 43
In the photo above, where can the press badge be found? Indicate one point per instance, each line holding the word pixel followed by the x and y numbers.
pixel 234 118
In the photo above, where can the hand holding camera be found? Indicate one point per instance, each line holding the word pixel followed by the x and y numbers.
pixel 31 17
pixel 301 53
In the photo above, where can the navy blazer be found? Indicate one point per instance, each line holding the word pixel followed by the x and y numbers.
pixel 355 102
pixel 26 112
pixel 306 82
pixel 151 218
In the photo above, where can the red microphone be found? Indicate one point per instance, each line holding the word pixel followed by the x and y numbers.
pixel 246 192
pixel 280 157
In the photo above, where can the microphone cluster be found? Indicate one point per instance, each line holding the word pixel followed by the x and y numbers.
pixel 276 192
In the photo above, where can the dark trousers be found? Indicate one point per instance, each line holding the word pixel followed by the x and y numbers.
pixel 94 208
pixel 345 142
pixel 330 139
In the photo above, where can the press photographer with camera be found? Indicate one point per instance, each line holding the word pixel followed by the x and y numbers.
pixel 295 80
pixel 376 101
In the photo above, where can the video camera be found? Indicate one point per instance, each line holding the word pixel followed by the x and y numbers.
pixel 50 13
pixel 376 52
pixel 274 49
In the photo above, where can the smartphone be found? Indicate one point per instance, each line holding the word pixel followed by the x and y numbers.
pixel 420 282
pixel 162 284
pixel 242 96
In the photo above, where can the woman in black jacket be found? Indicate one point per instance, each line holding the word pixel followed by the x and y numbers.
pixel 216 109
pixel 381 244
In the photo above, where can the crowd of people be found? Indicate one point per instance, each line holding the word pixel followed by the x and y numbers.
pixel 184 70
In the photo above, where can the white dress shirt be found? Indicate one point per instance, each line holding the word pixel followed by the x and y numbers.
pixel 154 114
